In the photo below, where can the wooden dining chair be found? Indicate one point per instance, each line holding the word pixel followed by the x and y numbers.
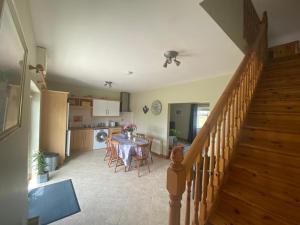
pixel 143 153
pixel 115 145
pixel 108 148
pixel 140 135
pixel 150 140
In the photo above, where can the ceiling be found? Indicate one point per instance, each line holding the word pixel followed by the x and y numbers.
pixel 284 19
pixel 91 41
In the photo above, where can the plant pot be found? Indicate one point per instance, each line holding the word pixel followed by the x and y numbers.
pixel 42 178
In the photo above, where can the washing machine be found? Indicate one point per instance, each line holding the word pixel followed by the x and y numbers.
pixel 100 136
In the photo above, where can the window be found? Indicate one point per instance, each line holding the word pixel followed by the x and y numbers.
pixel 202 114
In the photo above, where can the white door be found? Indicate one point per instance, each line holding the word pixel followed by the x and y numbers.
pixel 113 108
pixel 100 107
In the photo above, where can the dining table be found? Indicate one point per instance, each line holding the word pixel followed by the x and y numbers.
pixel 128 147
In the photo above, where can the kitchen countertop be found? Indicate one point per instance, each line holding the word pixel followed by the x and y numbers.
pixel 91 128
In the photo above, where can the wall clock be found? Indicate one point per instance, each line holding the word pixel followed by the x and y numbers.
pixel 156 107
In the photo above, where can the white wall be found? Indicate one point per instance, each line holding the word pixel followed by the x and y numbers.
pixel 14 149
pixel 202 91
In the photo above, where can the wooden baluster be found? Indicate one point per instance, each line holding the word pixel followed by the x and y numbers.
pixel 232 132
pixel 217 153
pixel 244 99
pixel 229 132
pixel 176 178
pixel 203 209
pixel 241 100
pixel 211 168
pixel 197 187
pixel 235 106
pixel 222 160
pixel 189 180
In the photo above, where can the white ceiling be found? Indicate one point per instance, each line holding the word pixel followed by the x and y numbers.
pixel 90 41
pixel 284 19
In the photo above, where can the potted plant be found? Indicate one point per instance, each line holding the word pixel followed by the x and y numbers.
pixel 128 129
pixel 42 174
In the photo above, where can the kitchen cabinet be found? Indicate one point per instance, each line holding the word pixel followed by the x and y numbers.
pixel 106 108
pixel 54 116
pixel 81 140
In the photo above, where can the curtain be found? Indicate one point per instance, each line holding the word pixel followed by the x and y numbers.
pixel 193 123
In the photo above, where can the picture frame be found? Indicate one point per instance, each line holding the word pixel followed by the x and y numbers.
pixel 13 61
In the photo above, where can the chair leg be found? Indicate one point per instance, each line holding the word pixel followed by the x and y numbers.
pixel 148 165
pixel 138 163
pixel 116 165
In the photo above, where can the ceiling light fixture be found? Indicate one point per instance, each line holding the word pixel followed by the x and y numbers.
pixel 108 84
pixel 171 56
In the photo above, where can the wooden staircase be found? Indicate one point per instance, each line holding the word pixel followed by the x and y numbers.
pixel 263 183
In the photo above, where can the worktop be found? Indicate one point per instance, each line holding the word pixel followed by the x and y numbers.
pixel 92 128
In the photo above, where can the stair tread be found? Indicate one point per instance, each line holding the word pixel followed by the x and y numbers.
pixel 283 191
pixel 284 175
pixel 263 201
pixel 255 146
pixel 281 142
pixel 235 211
pixel 258 154
pixel 273 129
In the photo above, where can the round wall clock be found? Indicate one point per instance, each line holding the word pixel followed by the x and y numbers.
pixel 156 107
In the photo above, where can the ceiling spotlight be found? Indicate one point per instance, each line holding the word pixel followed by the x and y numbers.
pixel 166 64
pixel 171 56
pixel 176 62
pixel 108 84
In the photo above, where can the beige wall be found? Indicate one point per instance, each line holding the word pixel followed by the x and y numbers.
pixel 14 149
pixel 230 17
pixel 202 91
pixel 84 91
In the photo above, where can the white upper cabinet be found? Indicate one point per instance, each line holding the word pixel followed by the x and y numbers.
pixel 106 108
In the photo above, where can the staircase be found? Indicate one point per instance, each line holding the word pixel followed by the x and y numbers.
pixel 263 183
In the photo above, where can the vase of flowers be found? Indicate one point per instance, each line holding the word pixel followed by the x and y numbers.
pixel 128 130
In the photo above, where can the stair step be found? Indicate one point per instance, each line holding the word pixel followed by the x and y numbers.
pixel 283 65
pixel 284 143
pixel 279 174
pixel 269 157
pixel 264 201
pixel 286 122
pixel 281 90
pixel 282 191
pixel 274 106
pixel 233 211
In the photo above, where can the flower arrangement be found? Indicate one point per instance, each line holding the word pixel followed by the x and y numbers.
pixel 129 128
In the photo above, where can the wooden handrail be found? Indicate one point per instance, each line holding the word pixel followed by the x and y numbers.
pixel 200 138
pixel 213 147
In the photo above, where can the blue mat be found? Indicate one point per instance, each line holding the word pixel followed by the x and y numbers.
pixel 53 202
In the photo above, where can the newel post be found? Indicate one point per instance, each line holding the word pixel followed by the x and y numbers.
pixel 176 178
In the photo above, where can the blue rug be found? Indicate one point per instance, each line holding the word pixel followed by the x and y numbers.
pixel 53 202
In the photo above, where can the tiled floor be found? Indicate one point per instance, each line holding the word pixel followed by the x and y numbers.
pixel 108 198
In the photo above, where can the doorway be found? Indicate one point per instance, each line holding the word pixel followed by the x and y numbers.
pixel 34 126
pixel 185 121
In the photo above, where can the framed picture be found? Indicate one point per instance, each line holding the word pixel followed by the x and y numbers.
pixel 13 55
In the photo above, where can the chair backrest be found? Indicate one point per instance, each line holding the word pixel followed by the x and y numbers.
pixel 108 142
pixel 114 148
pixel 140 135
pixel 145 150
pixel 150 140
